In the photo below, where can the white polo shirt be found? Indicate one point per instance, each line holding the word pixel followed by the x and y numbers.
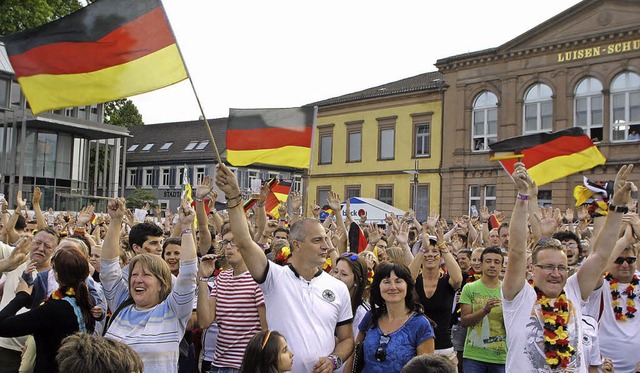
pixel 305 312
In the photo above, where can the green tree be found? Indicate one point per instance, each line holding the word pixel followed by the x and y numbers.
pixel 122 112
pixel 19 15
pixel 141 197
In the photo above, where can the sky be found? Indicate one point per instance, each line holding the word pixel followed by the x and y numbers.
pixel 286 53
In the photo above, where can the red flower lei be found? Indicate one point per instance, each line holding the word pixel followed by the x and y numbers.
pixel 615 297
pixel 557 349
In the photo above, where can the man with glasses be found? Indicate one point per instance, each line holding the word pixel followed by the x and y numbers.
pixel 616 302
pixel 543 319
pixel 571 243
pixel 41 250
pixel 235 303
pixel 307 305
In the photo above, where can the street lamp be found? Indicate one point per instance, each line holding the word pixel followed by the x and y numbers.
pixel 414 179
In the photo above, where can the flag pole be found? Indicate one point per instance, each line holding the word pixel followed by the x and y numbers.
pixel 195 93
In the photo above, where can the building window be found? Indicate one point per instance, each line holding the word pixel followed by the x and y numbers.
pixel 421 134
pixel 165 177
pixel 199 173
pixel 191 145
pixel 625 107
pixel 131 177
pixel 147 147
pixel 94 112
pixel 538 109
pixel 133 148
pixel 322 195
pixel 354 141
pixel 253 181
pixel 180 175
pixel 5 84
pixel 147 178
pixel 351 191
pixel 82 112
pixel 386 137
pixel 545 198
pixel 481 196
pixel 422 198
pixel 202 145
pixel 325 151
pixel 165 146
pixel 485 121
pixel 384 193
pixel 587 107
pixel 297 183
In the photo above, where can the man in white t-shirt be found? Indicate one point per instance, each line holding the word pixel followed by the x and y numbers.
pixel 619 322
pixel 307 305
pixel 543 320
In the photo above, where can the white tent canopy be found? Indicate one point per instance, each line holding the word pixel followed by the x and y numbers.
pixel 376 210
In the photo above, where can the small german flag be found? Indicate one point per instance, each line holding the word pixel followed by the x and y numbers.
pixel 108 50
pixel 279 194
pixel 549 156
pixel 280 137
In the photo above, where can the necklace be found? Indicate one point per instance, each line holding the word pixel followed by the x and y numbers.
pixel 557 349
pixel 615 297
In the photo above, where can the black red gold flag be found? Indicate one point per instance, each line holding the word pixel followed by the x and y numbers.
pixel 108 50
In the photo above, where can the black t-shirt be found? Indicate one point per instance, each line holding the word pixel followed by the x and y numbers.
pixel 439 308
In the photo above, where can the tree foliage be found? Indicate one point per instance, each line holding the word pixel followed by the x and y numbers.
pixel 19 15
pixel 141 197
pixel 122 112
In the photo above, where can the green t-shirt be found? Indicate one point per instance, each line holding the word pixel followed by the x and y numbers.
pixel 487 340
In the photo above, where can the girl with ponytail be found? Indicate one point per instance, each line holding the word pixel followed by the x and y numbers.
pixel 66 311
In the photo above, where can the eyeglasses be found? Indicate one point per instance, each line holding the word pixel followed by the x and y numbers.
pixel 630 260
pixel 551 267
pixel 351 256
pixel 572 244
pixel 224 243
pixel 381 352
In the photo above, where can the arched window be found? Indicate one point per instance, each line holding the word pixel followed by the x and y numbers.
pixel 484 121
pixel 587 107
pixel 625 107
pixel 538 109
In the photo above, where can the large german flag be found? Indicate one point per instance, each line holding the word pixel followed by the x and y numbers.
pixel 280 137
pixel 105 51
pixel 549 156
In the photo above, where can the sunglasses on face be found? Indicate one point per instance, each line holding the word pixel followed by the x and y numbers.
pixel 629 260
pixel 381 352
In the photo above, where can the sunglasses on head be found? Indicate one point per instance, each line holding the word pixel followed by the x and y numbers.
pixel 381 352
pixel 629 260
pixel 351 256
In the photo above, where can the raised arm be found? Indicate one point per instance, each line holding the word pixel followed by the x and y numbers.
pixel 261 213
pixel 10 228
pixel 35 201
pixel 111 243
pixel 253 256
pixel 515 274
pixel 205 186
pixel 591 270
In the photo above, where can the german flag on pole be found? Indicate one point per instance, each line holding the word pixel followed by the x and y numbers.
pixel 549 156
pixel 280 137
pixel 108 50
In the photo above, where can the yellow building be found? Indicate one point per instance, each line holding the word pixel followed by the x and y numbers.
pixel 371 143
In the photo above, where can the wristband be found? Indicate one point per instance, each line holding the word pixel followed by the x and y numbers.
pixel 229 199
pixel 187 231
pixel 441 245
pixel 79 231
pixel 621 209
pixel 199 199
pixel 486 310
pixel 444 252
pixel 423 250
pixel 204 279
pixel 260 204
pixel 263 245
pixel 522 197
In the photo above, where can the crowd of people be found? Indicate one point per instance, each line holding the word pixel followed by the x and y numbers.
pixel 240 291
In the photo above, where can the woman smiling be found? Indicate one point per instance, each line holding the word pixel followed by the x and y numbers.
pixel 395 330
pixel 150 315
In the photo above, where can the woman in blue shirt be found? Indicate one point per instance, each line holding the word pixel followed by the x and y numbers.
pixel 395 330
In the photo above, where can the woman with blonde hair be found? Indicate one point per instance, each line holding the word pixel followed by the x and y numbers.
pixel 150 315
